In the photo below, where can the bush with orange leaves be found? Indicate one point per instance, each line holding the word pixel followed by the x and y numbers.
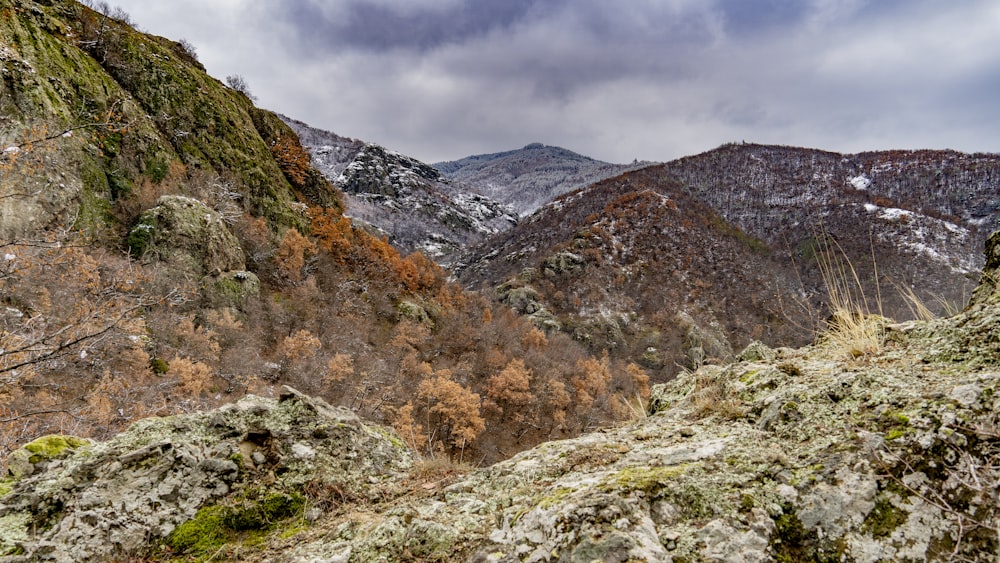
pixel 510 391
pixel 293 252
pixel 452 412
pixel 293 160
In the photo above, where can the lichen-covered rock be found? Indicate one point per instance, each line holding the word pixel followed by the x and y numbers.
pixel 118 497
pixel 986 292
pixel 563 263
pixel 231 289
pixel 186 234
pixel 524 300
pixel 414 311
pixel 757 351
pixel 24 461
pixel 809 455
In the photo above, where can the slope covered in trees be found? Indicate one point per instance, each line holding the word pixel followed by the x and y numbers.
pixel 167 246
pixel 672 264
pixel 636 266
pixel 530 177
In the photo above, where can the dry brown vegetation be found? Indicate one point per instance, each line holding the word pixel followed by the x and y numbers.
pixel 637 268
pixel 93 340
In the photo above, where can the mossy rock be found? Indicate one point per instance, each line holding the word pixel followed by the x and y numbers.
pixel 6 486
pixel 22 462
pixel 413 311
pixel 217 525
pixel 757 351
pixel 186 234
pixel 563 263
pixel 545 320
pixel 202 534
pixel 231 289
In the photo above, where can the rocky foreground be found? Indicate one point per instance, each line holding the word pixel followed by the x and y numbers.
pixel 826 453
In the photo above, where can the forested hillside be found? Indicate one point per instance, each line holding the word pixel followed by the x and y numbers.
pixel 166 247
pixel 636 266
pixel 529 177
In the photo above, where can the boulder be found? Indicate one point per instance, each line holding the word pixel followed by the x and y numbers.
pixel 188 235
pixel 251 462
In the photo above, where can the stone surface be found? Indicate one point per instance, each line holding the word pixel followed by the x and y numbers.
pixel 114 497
pixel 809 455
pixel 186 234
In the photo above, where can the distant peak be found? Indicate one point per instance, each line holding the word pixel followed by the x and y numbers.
pixel 533 146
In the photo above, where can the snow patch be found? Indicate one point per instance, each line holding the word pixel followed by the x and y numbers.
pixel 893 213
pixel 860 182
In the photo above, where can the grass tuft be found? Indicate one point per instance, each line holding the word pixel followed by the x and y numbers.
pixel 853 328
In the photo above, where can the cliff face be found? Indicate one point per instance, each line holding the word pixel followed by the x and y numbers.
pixel 94 111
pixel 816 454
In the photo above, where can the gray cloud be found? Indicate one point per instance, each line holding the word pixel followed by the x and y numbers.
pixel 650 79
pixel 382 26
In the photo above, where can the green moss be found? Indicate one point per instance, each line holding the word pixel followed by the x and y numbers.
pixel 139 237
pixel 6 486
pixel 791 542
pixel 159 366
pixel 202 534
pixel 390 436
pixel 119 185
pixel 896 433
pixel 555 497
pixel 883 518
pixel 156 170
pixel 248 522
pixel 53 446
pixel 648 479
pixel 294 529
pixel 261 513
pixel 232 289
pixel 95 208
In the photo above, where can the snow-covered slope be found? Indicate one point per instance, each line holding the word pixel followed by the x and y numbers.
pixel 530 177
pixel 923 214
pixel 407 200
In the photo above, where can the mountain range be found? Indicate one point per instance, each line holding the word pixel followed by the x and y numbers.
pixel 750 220
pixel 225 333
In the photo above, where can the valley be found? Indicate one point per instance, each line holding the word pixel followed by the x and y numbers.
pixel 301 346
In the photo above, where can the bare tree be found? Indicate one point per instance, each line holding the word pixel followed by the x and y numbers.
pixel 238 83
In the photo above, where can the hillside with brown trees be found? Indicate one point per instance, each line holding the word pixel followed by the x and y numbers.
pixel 636 267
pixel 680 263
pixel 167 247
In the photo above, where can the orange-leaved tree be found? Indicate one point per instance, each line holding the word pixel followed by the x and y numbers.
pixel 453 412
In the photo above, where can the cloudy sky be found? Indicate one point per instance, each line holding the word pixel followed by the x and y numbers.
pixel 614 80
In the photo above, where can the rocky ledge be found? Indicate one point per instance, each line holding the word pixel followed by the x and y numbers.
pixel 825 453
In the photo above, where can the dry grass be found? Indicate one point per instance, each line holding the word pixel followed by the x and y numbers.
pixel 920 309
pixel 634 409
pixel 711 396
pixel 853 329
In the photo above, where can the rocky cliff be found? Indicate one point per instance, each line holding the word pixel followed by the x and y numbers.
pixel 824 453
pixel 404 199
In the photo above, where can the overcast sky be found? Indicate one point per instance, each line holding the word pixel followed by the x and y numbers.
pixel 614 80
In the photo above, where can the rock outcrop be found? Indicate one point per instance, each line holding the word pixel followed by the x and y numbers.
pixel 108 499
pixel 402 198
pixel 811 454
pixel 187 234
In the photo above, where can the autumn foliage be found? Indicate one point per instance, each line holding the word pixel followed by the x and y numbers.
pixel 292 159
